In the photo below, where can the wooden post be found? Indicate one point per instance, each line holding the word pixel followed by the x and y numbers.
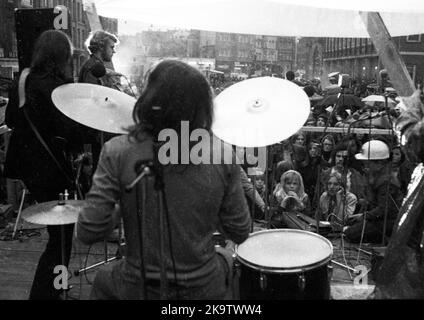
pixel 388 53
pixel 388 283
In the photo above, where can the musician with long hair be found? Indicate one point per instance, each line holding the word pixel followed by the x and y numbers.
pixel 198 199
pixel 29 160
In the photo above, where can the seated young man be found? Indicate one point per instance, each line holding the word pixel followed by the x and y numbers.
pixel 384 197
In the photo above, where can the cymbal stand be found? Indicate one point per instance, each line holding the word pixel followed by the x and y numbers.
pixel 63 197
pixel 266 182
pixel 62 244
pixel 18 218
pixel 253 203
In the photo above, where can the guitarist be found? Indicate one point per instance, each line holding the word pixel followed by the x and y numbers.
pixel 41 141
pixel 101 46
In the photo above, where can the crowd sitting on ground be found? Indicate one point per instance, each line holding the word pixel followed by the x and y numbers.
pixel 330 175
pixel 338 179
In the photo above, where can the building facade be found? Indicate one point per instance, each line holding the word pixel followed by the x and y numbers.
pixel 78 24
pixel 358 57
pixel 245 54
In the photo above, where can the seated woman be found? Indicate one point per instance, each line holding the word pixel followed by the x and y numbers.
pixel 336 205
pixel 402 168
pixel 290 193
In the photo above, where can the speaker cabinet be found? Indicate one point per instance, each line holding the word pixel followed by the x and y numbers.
pixel 30 24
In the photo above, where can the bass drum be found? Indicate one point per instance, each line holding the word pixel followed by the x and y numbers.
pixel 282 264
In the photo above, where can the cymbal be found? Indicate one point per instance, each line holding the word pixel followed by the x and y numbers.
pixel 95 106
pixel 51 213
pixel 260 111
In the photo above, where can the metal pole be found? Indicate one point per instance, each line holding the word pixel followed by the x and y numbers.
pixel 343 266
pixel 62 234
pixel 19 213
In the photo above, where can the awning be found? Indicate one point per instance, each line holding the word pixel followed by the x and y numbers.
pixel 318 18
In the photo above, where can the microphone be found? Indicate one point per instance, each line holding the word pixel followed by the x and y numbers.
pixel 142 168
pixel 141 164
pixel 98 70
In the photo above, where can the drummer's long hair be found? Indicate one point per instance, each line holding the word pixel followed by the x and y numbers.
pixel 181 92
pixel 53 55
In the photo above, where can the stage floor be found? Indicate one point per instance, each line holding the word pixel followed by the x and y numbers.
pixel 19 258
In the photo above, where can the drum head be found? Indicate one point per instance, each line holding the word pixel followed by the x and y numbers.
pixel 281 250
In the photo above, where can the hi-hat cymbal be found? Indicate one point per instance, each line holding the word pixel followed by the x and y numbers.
pixel 259 112
pixel 95 106
pixel 51 213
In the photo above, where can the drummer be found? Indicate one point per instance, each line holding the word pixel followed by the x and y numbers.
pixel 200 199
pixel 41 136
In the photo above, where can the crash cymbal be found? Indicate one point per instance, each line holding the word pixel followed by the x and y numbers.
pixel 51 213
pixel 259 112
pixel 95 106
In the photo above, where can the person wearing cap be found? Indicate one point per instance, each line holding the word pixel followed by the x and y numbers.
pixel 384 196
pixel 322 120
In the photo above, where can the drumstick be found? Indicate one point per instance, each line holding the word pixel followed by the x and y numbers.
pixel 347 267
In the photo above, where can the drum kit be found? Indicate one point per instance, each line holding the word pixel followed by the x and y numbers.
pixel 272 264
pixel 259 112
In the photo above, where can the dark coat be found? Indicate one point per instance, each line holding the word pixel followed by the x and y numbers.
pixel 384 189
pixel 26 157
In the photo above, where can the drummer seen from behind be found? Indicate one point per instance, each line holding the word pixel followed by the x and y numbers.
pixel 198 199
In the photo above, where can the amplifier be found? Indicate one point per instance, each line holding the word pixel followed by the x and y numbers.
pixel 30 23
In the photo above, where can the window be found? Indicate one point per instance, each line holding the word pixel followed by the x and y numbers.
pixel 413 38
pixel 412 71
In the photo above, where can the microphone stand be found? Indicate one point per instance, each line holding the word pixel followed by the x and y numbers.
pixel 153 168
pixel 159 187
pixel 145 171
pixel 383 239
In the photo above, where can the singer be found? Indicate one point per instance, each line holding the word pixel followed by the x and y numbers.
pixel 101 46
pixel 197 199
